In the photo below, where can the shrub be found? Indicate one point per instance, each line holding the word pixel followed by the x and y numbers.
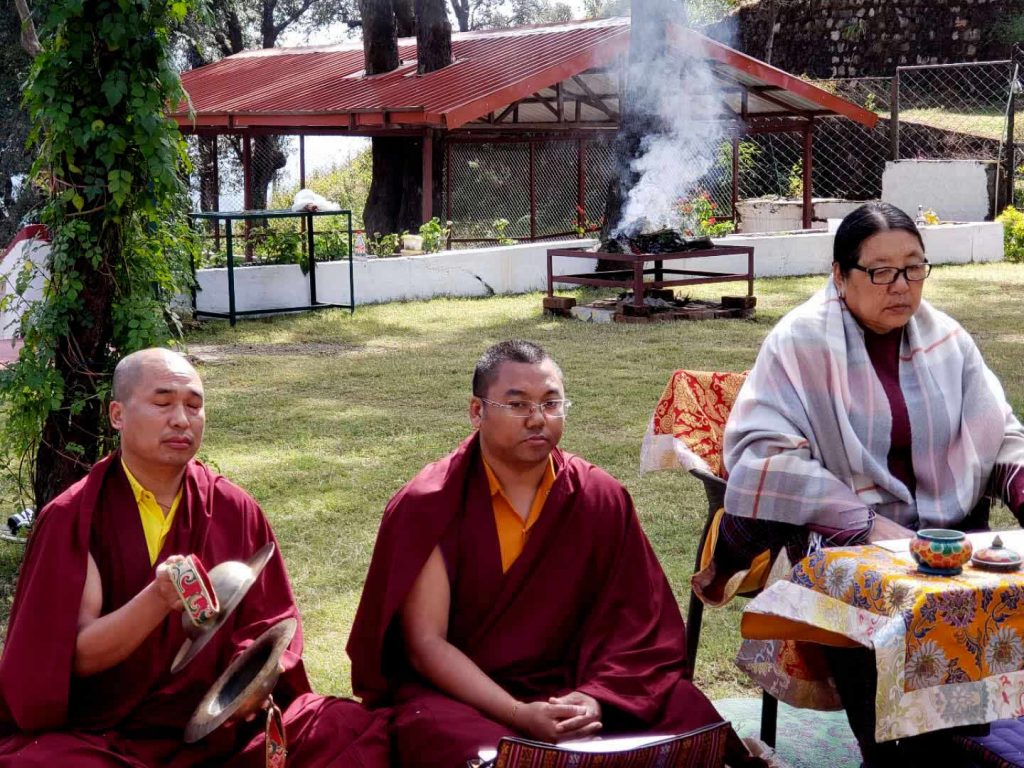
pixel 697 217
pixel 1013 234
pixel 383 245
pixel 435 236
pixel 500 227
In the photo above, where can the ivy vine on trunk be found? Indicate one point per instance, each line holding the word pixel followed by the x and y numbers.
pixel 112 166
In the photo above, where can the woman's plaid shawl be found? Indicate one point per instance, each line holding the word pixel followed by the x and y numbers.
pixel 808 437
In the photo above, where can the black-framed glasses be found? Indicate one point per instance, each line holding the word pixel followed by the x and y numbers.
pixel 915 273
pixel 524 409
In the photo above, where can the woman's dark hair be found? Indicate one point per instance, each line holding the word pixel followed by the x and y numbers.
pixel 511 351
pixel 868 220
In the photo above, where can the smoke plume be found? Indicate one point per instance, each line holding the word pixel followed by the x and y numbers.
pixel 671 117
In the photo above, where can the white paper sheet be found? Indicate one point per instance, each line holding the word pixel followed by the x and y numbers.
pixel 597 746
pixel 1012 539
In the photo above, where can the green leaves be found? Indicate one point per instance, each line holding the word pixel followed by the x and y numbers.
pixel 114 88
pixel 119 183
pixel 121 244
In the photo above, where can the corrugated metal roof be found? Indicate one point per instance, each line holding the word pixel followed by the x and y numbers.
pixel 324 87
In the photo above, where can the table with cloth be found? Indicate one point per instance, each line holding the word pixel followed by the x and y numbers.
pixel 949 649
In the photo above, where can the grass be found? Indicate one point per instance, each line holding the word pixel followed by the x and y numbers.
pixel 322 417
pixel 984 125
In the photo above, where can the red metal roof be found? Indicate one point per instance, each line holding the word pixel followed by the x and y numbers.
pixel 324 87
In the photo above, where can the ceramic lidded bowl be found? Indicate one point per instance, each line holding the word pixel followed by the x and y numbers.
pixel 998 557
pixel 940 551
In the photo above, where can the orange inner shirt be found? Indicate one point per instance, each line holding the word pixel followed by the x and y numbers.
pixel 512 530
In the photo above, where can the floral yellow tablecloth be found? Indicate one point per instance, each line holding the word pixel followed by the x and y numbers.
pixel 949 650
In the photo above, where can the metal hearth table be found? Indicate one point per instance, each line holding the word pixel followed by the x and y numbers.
pixel 634 270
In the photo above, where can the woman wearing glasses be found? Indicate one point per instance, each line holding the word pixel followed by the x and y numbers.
pixel 868 414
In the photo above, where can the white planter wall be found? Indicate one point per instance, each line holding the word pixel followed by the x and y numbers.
pixel 522 268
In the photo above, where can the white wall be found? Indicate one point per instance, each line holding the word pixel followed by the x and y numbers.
pixel 774 214
pixel 477 272
pixel 522 268
pixel 957 190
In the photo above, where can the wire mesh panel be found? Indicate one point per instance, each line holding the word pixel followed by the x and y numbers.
pixel 771 164
pixel 489 182
pixel 849 159
pixel 556 181
pixel 953 111
pixel 601 168
pixel 217 182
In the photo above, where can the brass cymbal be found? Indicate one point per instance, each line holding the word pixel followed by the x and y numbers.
pixel 245 684
pixel 231 580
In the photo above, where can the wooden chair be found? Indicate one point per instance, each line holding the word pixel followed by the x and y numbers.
pixel 686 432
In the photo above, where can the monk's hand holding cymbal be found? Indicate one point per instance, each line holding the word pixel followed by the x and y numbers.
pixel 164 583
pixel 266 703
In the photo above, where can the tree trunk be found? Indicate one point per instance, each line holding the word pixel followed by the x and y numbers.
pixel 433 36
pixel 380 38
pixel 80 356
pixel 380 55
pixel 384 200
pixel 395 200
pixel 209 195
pixel 29 39
pixel 772 15
pixel 405 18
pixel 267 160
pixel 461 8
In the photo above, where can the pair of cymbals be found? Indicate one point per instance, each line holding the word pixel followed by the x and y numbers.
pixel 231 581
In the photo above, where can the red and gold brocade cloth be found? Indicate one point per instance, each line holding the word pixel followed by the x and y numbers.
pixel 689 420
pixel 949 649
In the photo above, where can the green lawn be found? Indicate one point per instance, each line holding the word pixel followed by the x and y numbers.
pixel 986 126
pixel 324 416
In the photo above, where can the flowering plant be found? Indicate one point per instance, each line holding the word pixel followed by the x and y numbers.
pixel 583 225
pixel 697 217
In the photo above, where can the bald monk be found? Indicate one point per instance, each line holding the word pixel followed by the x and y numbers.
pixel 85 675
pixel 512 591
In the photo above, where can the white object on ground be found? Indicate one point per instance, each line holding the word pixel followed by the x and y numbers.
pixel 308 200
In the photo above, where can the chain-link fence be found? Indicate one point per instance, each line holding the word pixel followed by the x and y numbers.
pixel 525 189
pixel 962 111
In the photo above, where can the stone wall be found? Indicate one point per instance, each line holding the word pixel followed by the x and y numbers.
pixel 858 38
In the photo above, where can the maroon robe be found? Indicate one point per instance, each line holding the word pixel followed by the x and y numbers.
pixel 585 607
pixel 134 713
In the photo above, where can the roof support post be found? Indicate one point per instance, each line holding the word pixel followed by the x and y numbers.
pixel 533 193
pixel 808 159
pixel 448 188
pixel 427 194
pixel 247 192
pixel 735 179
pixel 216 190
pixel 581 183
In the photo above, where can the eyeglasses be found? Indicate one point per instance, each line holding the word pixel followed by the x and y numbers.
pixel 915 273
pixel 524 409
